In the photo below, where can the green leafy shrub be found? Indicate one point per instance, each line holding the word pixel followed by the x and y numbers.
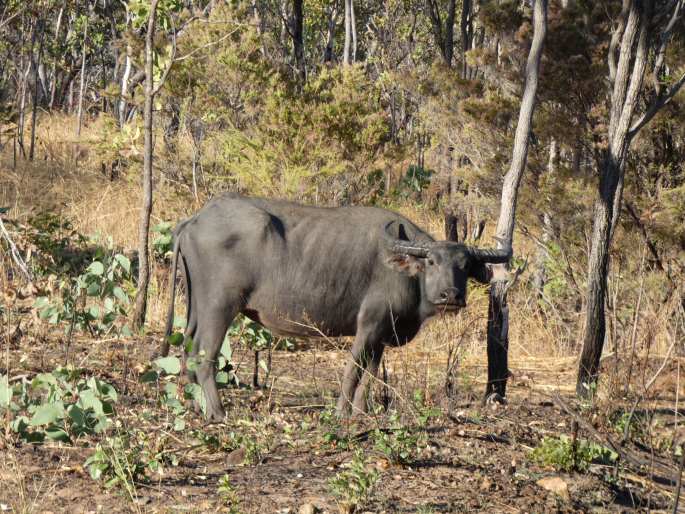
pixel 354 485
pixel 61 405
pixel 162 244
pixel 559 453
pixel 95 301
pixel 397 443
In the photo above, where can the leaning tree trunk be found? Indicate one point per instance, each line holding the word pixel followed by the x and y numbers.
pixel 498 318
pixel 146 207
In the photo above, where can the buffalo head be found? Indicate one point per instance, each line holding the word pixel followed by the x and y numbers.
pixel 445 266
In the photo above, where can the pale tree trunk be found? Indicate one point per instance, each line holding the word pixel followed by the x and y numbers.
pixel 635 24
pixel 124 88
pixel 542 255
pixel 146 207
pixel 350 48
pixel 53 75
pixel 82 85
pixel 498 316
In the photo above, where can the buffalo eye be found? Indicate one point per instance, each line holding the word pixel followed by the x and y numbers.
pixel 431 262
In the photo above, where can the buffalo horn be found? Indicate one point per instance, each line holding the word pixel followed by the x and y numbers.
pixel 402 246
pixel 491 256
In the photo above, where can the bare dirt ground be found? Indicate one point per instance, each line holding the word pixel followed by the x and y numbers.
pixel 473 458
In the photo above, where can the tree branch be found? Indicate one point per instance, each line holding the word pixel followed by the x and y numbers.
pixel 657 104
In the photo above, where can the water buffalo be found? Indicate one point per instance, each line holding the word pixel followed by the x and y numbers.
pixel 305 271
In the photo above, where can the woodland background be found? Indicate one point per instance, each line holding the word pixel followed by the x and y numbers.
pixel 407 104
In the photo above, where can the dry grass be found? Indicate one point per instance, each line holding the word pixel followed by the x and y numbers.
pixel 66 179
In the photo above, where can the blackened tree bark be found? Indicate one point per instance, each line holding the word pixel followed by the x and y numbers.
pixel 640 30
pixel 146 206
pixel 298 39
pixel 443 33
pixel 332 14
pixel 498 317
pixel 34 107
pixel 466 27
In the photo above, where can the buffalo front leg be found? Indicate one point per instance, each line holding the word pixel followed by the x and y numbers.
pixel 361 395
pixel 362 352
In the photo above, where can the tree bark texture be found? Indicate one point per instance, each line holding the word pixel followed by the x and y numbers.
pixel 82 85
pixel 626 87
pixel 298 39
pixel 350 48
pixel 540 276
pixel 146 204
pixel 498 316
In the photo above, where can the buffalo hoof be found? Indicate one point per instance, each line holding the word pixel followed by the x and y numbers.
pixel 495 399
pixel 217 416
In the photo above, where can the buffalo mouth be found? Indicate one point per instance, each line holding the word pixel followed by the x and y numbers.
pixel 449 307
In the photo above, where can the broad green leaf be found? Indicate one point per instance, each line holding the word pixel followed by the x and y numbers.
pixel 93 289
pixel 89 400
pixel 77 415
pixel 57 434
pixel 175 339
pixel 5 392
pixel 96 268
pixel 149 376
pixel 124 262
pixel 47 413
pixel 120 295
pixel 170 365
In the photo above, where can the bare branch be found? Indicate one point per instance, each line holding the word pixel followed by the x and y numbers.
pixel 656 105
pixel 211 43
pixel 663 41
pixel 615 36
pixel 167 69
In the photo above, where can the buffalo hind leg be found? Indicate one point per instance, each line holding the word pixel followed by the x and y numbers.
pixel 212 326
pixel 361 395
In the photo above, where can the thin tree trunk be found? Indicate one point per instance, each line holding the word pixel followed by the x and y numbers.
pixel 347 49
pixel 626 87
pixel 466 35
pixel 124 88
pixel 146 207
pixel 330 34
pixel 82 86
pixel 34 107
pixel 353 26
pixel 53 84
pixel 542 255
pixel 498 319
pixel 298 39
pixel 448 50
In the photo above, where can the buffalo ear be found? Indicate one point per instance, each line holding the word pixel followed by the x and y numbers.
pixel 407 264
pixel 480 271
